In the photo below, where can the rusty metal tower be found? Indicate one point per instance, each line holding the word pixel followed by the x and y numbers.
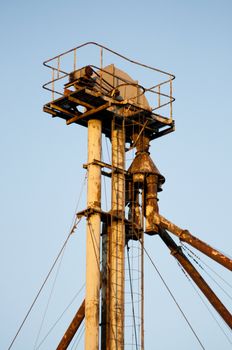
pixel 106 100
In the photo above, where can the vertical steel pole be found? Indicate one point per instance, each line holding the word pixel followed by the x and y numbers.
pixel 142 273
pixel 105 287
pixel 93 238
pixel 117 237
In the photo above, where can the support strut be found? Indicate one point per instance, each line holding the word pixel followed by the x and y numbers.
pixel 176 251
pixel 187 237
pixel 72 329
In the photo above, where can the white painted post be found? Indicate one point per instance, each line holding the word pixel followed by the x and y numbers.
pixel 93 237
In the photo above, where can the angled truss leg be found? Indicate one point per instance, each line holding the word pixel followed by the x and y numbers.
pixel 187 237
pixel 72 329
pixel 176 251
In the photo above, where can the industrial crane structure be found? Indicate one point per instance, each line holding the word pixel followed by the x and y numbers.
pixel 105 99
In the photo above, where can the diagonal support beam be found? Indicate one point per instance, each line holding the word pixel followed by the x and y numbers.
pixel 63 110
pixel 72 329
pixel 176 251
pixel 187 237
pixel 88 113
pixel 80 102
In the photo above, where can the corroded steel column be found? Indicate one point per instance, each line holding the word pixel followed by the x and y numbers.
pixel 105 296
pixel 117 238
pixel 93 238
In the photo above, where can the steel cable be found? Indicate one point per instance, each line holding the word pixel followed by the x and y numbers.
pixel 208 274
pixel 132 298
pixel 72 230
pixel 48 301
pixel 43 284
pixel 95 247
pixel 203 262
pixel 203 301
pixel 37 295
pixel 78 337
pixel 173 298
pixel 59 318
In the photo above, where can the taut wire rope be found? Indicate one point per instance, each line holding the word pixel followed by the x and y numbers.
pixel 203 262
pixel 43 284
pixel 208 274
pixel 59 318
pixel 173 298
pixel 78 337
pixel 205 304
pixel 93 239
pixel 49 299
pixel 132 298
pixel 72 230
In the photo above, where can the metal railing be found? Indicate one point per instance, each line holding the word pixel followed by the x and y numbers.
pixel 61 67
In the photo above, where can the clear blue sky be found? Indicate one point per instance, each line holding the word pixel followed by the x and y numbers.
pixel 41 159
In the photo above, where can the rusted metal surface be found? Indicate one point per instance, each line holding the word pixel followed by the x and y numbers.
pixel 187 237
pixel 107 100
pixel 80 102
pixel 108 166
pixel 142 165
pixel 196 277
pixel 85 73
pixel 87 114
pixel 55 107
pixel 72 329
pixel 110 85
pixel 104 287
pixel 93 237
pixel 117 240
pixel 54 65
pixel 151 204
pixel 156 124
pixel 108 95
pixel 147 178
pixel 134 208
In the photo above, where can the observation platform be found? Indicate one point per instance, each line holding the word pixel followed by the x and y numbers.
pixel 79 95
pixel 104 108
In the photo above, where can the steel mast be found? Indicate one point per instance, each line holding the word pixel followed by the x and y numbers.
pixel 108 101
